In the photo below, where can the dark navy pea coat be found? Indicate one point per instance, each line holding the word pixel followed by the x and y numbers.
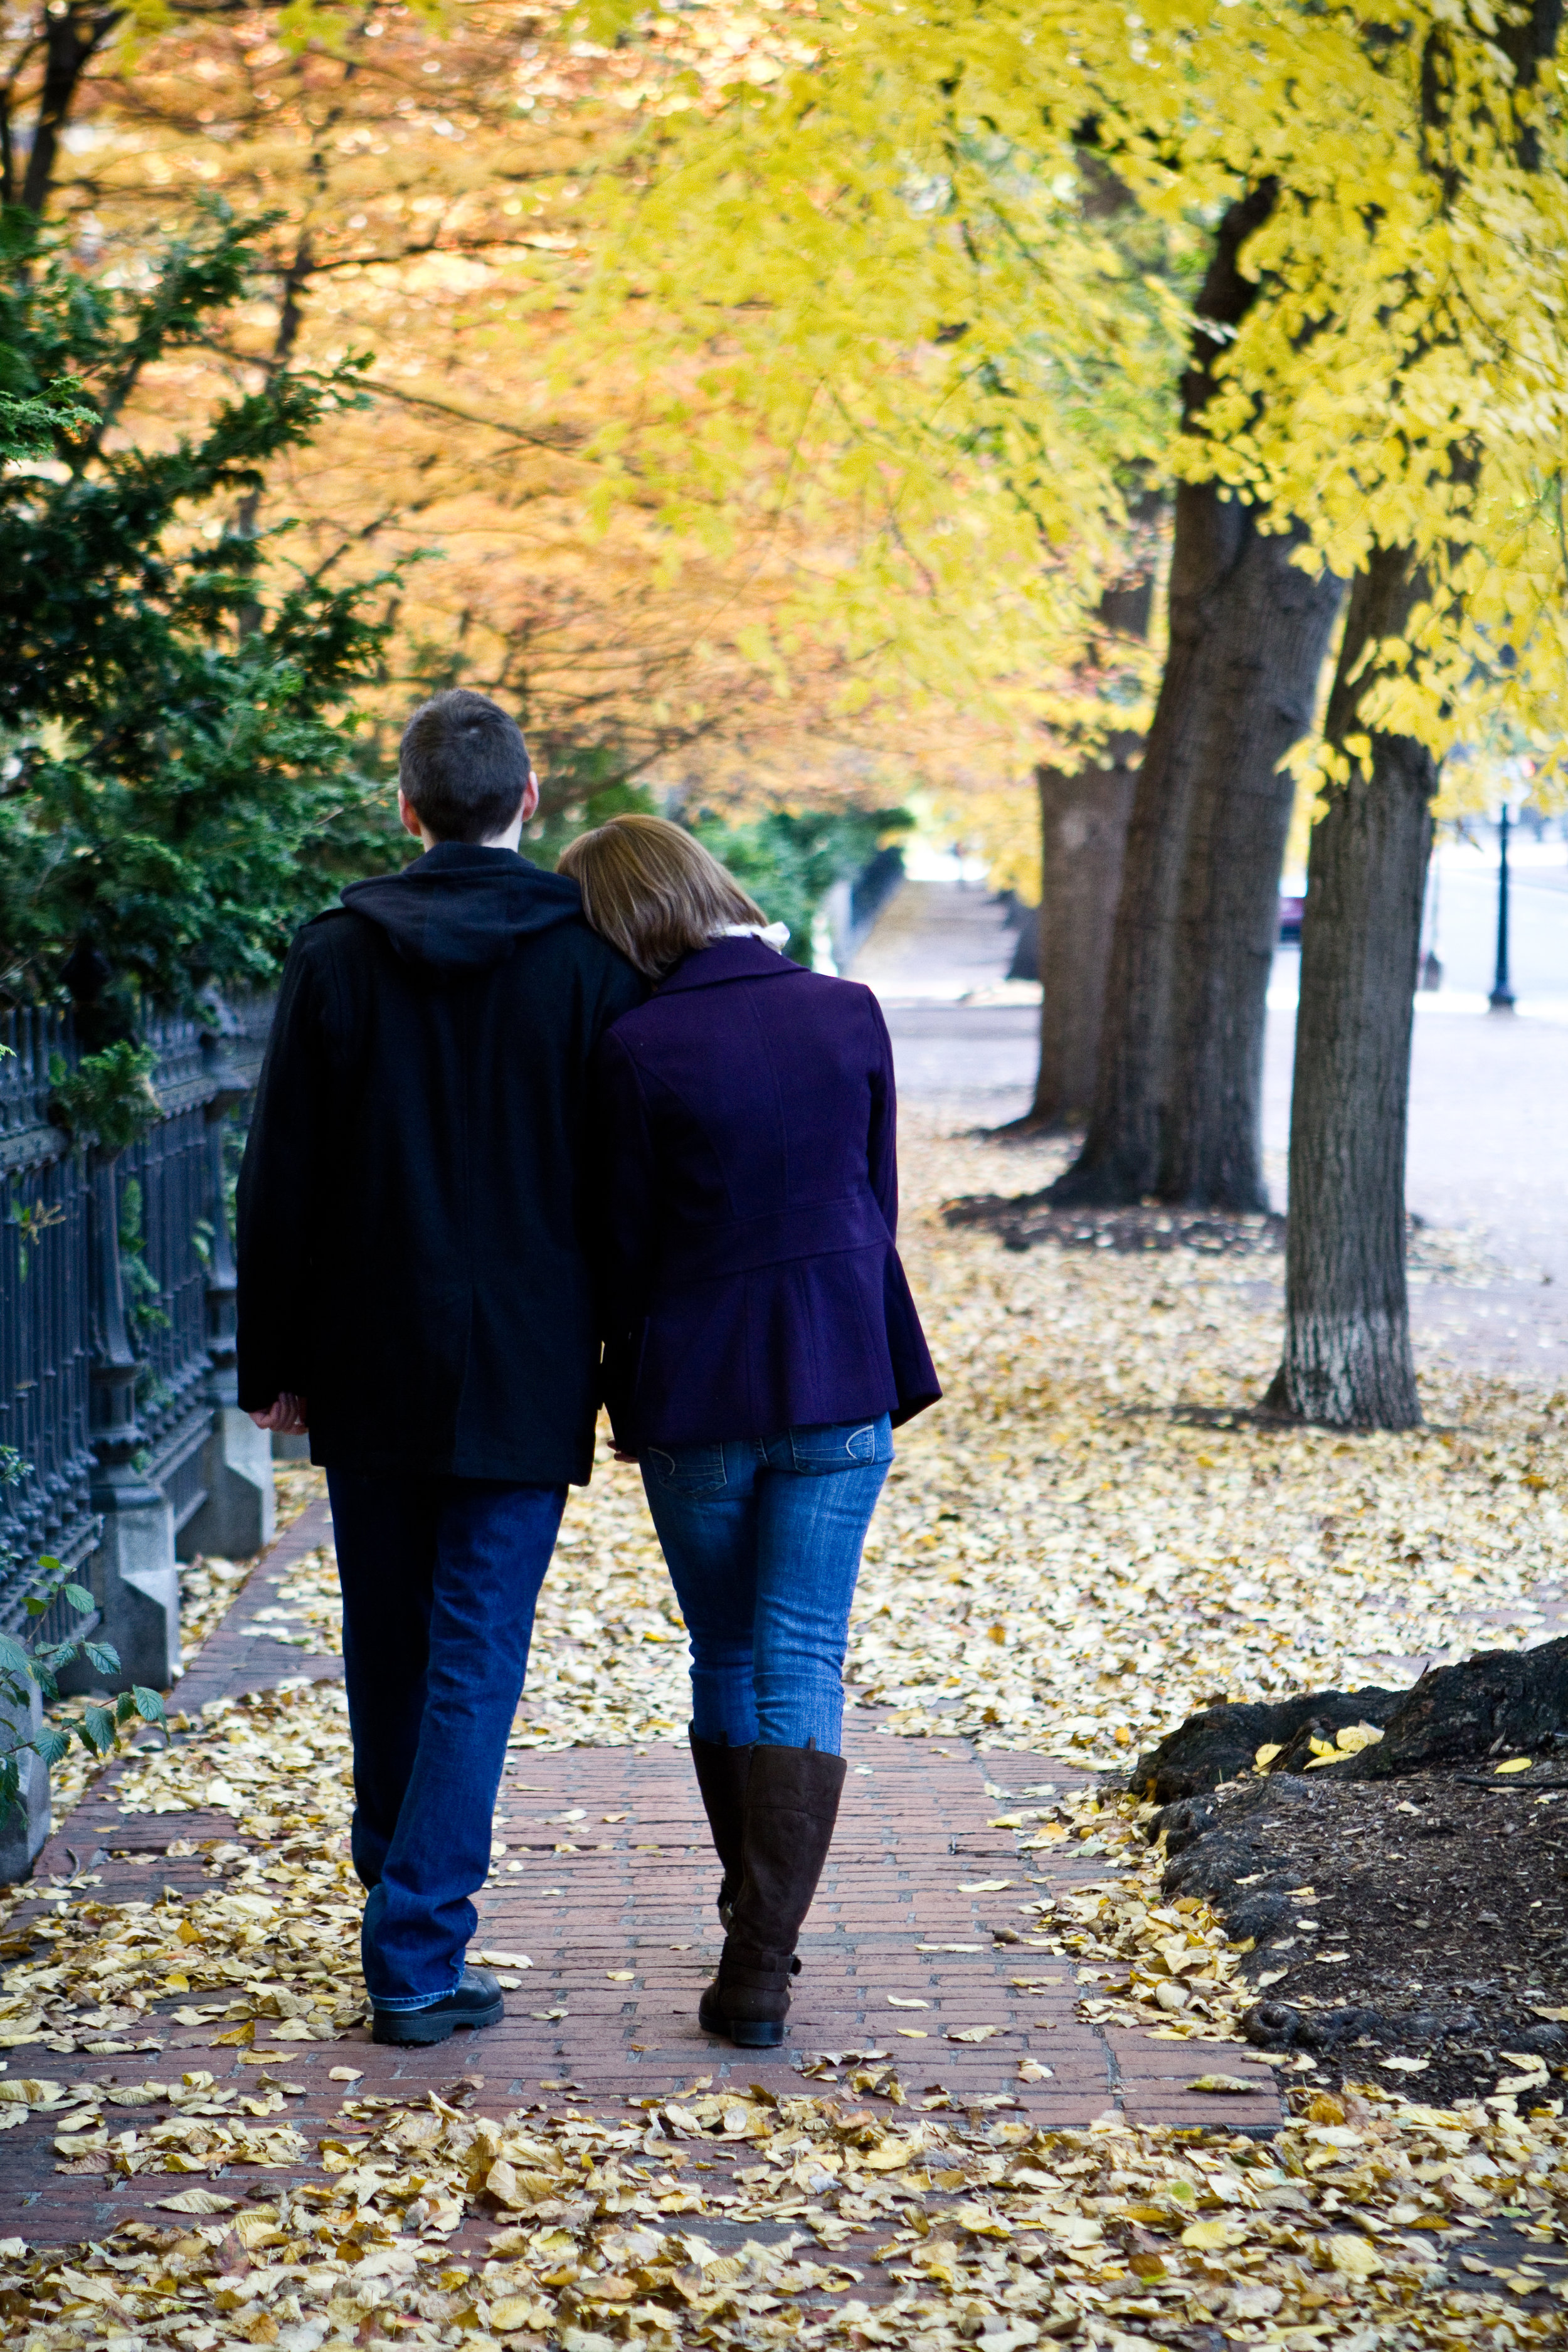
pixel 412 1243
pixel 747 1165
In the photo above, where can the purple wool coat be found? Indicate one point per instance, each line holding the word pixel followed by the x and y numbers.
pixel 748 1199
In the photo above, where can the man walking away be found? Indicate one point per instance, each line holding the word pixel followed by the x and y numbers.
pixel 413 1288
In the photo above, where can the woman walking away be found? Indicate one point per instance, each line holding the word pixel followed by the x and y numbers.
pixel 761 1343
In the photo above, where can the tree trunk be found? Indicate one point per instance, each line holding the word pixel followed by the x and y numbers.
pixel 1083 835
pixel 1083 839
pixel 1274 625
pixel 1347 1328
pixel 1177 1090
pixel 1248 630
pixel 72 37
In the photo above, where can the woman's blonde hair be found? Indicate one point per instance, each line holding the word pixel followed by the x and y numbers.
pixel 653 891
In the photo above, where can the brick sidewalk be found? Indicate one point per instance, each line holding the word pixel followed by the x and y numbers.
pixel 237 1655
pixel 589 1898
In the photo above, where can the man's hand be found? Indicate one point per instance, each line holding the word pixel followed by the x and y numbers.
pixel 286 1414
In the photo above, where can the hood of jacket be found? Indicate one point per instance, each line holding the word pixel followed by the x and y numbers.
pixel 463 909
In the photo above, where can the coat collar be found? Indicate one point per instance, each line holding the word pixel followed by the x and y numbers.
pixel 726 960
pixel 468 857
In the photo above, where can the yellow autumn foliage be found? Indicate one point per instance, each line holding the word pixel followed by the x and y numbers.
pixel 1400 381
pixel 747 575
pixel 766 382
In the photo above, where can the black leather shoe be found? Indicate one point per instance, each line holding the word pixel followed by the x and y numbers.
pixel 476 2002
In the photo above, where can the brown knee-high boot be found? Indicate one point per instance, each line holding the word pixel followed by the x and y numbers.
pixel 721 1775
pixel 791 1804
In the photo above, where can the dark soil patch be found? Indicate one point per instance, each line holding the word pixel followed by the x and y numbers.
pixel 1026 1219
pixel 1445 1891
pixel 1022 1220
pixel 1220 1742
pixel 1498 1703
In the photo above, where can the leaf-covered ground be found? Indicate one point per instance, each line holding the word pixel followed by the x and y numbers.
pixel 1004 2234
pixel 1062 1564
pixel 1370 2220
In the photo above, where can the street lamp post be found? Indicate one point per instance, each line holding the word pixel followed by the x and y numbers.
pixel 1501 998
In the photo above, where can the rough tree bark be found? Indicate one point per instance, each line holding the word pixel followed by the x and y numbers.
pixel 71 38
pixel 1083 834
pixel 1177 1081
pixel 1347 1358
pixel 1276 635
pixel 1083 838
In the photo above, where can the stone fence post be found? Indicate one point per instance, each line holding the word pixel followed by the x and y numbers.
pixel 133 1573
pixel 238 1515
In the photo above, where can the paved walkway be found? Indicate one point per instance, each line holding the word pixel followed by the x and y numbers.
pixel 936 942
pixel 598 1896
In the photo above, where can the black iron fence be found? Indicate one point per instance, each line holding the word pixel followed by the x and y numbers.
pixel 116 1287
pixel 44 1321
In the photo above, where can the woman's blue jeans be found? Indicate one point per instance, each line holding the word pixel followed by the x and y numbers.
pixel 763 1538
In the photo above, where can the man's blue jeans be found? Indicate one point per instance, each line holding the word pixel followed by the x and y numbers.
pixel 439 1578
pixel 763 1538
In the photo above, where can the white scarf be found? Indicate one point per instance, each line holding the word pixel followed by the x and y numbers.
pixel 772 935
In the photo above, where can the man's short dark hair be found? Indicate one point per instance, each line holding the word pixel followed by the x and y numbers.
pixel 463 765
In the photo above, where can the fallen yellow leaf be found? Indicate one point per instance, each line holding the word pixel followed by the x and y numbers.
pixel 1209 2236
pixel 511 2313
